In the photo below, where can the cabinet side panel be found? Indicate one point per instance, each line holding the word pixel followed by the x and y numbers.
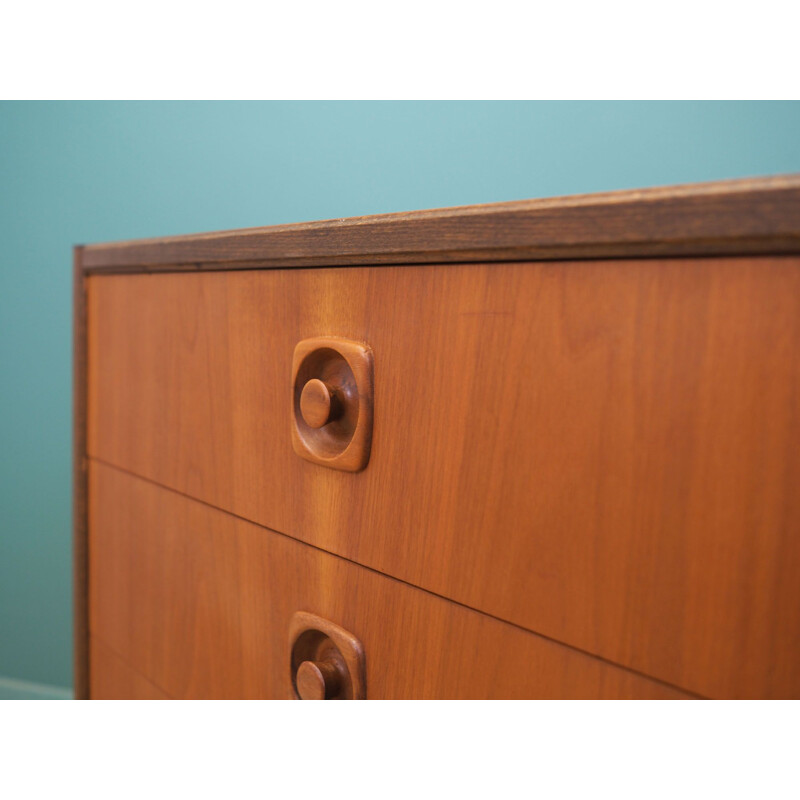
pixel 80 585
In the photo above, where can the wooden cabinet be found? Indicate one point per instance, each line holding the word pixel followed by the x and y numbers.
pixel 582 469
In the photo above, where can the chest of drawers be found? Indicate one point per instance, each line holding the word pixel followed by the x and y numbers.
pixel 537 449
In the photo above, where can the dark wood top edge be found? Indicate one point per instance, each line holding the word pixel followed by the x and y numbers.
pixel 748 215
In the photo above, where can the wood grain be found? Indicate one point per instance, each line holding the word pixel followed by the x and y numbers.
pixel 114 679
pixel 201 603
pixel 760 215
pixel 619 469
pixel 80 577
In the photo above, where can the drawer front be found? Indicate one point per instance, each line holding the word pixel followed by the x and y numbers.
pixel 604 453
pixel 112 678
pixel 201 603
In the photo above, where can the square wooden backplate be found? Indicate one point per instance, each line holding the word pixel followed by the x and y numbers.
pixel 355 455
pixel 349 646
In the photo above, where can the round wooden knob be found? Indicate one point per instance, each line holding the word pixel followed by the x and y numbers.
pixel 318 680
pixel 318 404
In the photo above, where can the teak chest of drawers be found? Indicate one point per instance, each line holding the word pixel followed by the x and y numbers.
pixel 535 449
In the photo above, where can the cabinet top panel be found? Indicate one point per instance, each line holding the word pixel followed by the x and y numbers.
pixel 759 215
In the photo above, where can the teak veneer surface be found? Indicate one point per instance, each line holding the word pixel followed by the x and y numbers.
pixel 112 678
pixel 601 452
pixel 200 602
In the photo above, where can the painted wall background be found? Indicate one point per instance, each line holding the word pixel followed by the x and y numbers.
pixel 86 172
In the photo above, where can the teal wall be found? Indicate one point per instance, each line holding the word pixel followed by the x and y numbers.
pixel 85 172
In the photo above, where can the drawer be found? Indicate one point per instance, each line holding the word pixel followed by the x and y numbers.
pixel 200 604
pixel 112 678
pixel 602 452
